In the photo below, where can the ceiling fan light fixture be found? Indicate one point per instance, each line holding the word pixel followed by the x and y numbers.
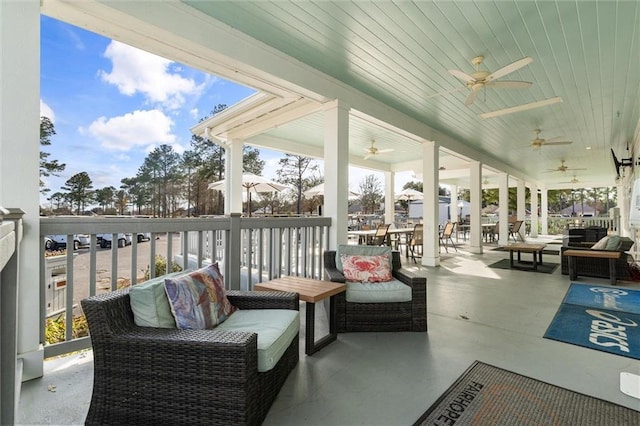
pixel 523 107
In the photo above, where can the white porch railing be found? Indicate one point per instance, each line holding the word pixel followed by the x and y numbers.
pixel 10 367
pixel 250 250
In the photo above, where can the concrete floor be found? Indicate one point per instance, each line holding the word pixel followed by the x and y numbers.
pixel 474 312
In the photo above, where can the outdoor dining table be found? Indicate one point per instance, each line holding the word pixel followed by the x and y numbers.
pixel 365 234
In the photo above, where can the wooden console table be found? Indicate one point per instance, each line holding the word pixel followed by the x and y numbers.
pixel 613 256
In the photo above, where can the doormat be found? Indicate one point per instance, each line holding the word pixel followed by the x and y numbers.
pixel 545 268
pixel 487 395
pixel 599 317
pixel 604 297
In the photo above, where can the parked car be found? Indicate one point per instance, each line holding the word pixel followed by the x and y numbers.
pixel 55 242
pixel 124 239
pixel 48 243
pixel 144 236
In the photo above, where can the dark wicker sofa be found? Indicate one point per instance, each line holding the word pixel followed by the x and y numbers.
pixel 598 268
pixel 402 316
pixel 145 375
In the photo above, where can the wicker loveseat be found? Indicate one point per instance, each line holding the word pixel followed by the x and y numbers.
pixel 390 316
pixel 161 376
pixel 599 268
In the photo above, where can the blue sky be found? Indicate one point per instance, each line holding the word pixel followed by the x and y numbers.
pixel 112 104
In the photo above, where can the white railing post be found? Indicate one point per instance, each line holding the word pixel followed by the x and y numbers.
pixel 233 252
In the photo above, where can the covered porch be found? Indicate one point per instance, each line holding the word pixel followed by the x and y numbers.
pixel 474 313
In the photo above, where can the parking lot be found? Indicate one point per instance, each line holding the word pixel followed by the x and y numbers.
pixel 104 273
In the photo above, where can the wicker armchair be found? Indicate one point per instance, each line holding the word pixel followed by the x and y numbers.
pixel 146 375
pixel 401 316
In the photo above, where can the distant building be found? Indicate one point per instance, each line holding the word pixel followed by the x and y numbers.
pixel 444 207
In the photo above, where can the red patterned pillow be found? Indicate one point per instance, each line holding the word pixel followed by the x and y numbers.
pixel 373 269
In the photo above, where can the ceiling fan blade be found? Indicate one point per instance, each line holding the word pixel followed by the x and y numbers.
pixel 572 169
pixel 509 68
pixel 508 84
pixel 472 95
pixel 366 157
pixel 558 143
pixel 384 151
pixel 446 92
pixel 558 139
pixel 462 76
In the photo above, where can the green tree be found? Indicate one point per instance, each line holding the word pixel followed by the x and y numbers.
pixel 59 199
pixel 190 162
pixel 371 195
pixel 212 168
pixel 161 165
pixel 138 191
pixel 121 201
pixel 292 171
pixel 104 196
pixel 47 167
pixel 79 188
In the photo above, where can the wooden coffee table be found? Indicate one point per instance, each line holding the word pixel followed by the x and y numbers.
pixel 310 291
pixel 536 249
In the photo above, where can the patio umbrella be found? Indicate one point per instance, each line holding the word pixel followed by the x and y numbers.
pixel 253 184
pixel 319 190
pixel 408 194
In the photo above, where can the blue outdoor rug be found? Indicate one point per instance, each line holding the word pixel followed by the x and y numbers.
pixel 599 317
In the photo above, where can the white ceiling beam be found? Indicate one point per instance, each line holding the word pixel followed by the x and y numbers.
pixel 273 119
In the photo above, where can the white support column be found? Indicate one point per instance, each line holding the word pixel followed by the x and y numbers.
pixel 503 209
pixel 453 204
pixel 389 197
pixel 624 202
pixel 521 213
pixel 521 197
pixel 19 162
pixel 233 172
pixel 534 210
pixel 475 207
pixel 336 170
pixel 431 220
pixel 544 210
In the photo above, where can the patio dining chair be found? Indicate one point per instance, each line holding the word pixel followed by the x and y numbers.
pixel 514 232
pixel 494 233
pixel 445 236
pixel 415 243
pixel 380 238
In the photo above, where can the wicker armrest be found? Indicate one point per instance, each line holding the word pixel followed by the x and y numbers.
pixel 409 278
pixel 331 272
pixel 264 300
pixel 201 345
pixel 334 275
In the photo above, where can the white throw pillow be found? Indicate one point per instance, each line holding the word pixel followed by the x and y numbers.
pixel 600 245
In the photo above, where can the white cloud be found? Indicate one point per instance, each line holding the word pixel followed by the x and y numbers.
pixel 136 71
pixel 46 111
pixel 138 128
pixel 194 113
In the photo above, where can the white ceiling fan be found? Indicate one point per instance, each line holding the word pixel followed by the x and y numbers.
pixel 562 168
pixel 480 78
pixel 539 142
pixel 573 180
pixel 372 151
